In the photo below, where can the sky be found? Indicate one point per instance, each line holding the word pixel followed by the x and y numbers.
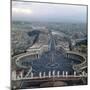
pixel 46 12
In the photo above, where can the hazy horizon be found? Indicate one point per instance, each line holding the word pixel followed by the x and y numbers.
pixel 45 12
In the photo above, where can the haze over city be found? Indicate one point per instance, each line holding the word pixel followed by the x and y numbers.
pixel 45 12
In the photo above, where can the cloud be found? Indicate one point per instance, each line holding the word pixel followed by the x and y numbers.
pixel 21 11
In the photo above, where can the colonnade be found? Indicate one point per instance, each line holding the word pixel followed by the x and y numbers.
pixel 74 56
